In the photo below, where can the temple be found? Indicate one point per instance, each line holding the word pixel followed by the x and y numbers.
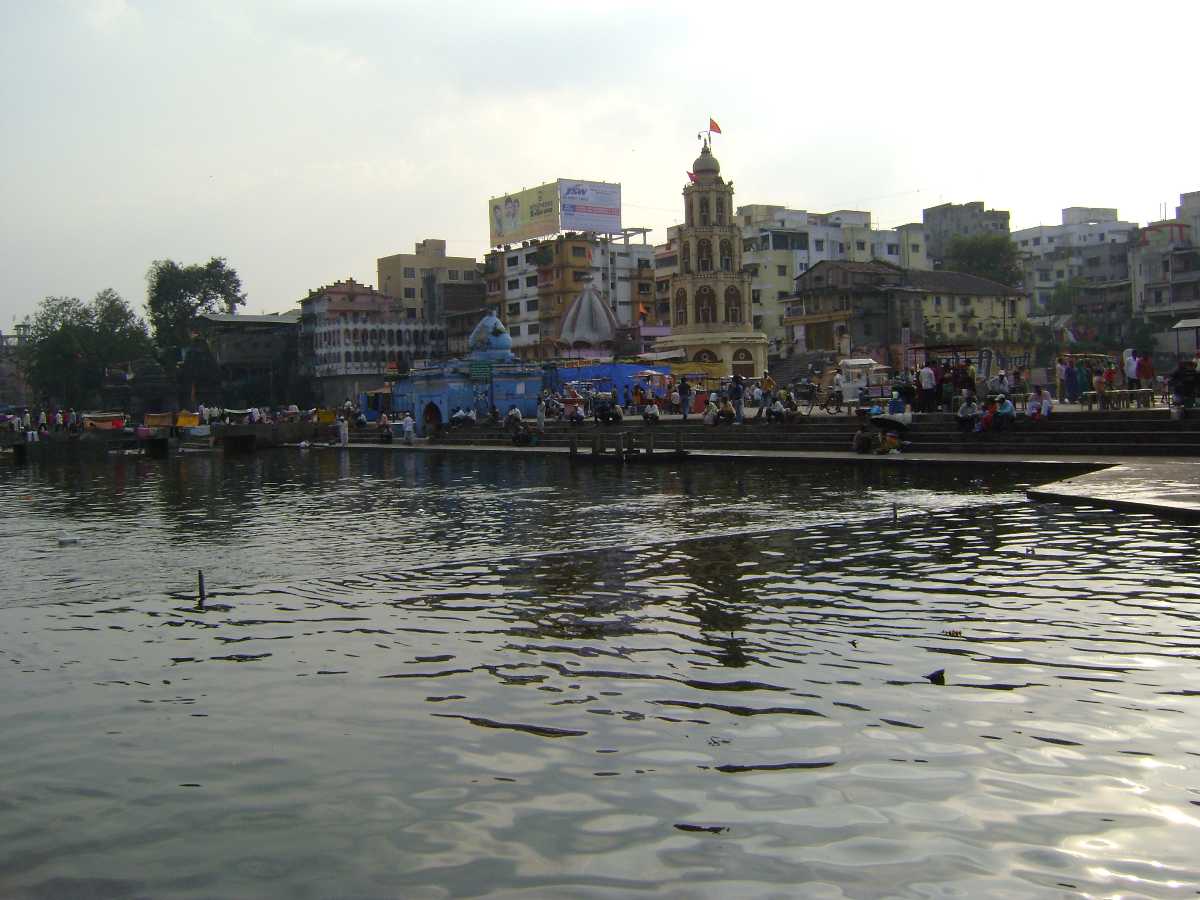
pixel 490 376
pixel 711 319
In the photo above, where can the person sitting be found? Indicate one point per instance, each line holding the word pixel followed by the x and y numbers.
pixel 522 436
pixel 896 404
pixel 1006 413
pixel 576 416
pixel 710 413
pixel 889 442
pixel 861 442
pixel 776 411
pixel 726 413
pixel 513 419
pixel 1040 404
pixel 986 417
pixel 650 413
pixel 968 414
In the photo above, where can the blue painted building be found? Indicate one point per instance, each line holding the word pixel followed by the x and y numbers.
pixel 490 377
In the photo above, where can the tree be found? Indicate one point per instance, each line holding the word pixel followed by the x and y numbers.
pixel 1062 301
pixel 71 343
pixel 177 294
pixel 991 256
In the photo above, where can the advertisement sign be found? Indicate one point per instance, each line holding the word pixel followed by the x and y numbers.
pixel 589 206
pixel 527 214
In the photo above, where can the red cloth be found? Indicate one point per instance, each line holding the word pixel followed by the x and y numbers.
pixel 713 126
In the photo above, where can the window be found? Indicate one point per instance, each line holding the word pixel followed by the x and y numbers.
pixel 530 281
pixel 468 275
pixel 733 304
pixel 1043 274
pixel 410 293
pixel 410 272
pixel 893 249
pixel 964 302
pixel 937 302
pixel 704 255
pixel 1059 274
pixel 720 211
pixel 703 210
pixel 860 245
pixel 452 274
pixel 1025 243
pixel 643 288
pixel 726 249
pixel 819 245
pixel 412 314
pixel 531 306
pixel 841 247
pixel 952 327
pixel 706 305
pixel 779 295
pixel 514 330
pixel 1049 240
pixel 514 284
pixel 579 252
pixel 514 309
pixel 513 260
pixel 681 316
pixel 756 296
pixel 916 248
pixel 532 328
pixel 578 275
pixel 1037 242
pixel 781 270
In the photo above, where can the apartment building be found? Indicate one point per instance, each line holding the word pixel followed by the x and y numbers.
pixel 414 278
pixel 950 220
pixel 1089 246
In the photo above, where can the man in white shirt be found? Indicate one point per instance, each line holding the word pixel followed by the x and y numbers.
pixel 928 382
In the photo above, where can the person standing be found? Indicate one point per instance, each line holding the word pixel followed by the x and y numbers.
pixel 1131 371
pixel 737 394
pixel 541 414
pixel 685 397
pixel 408 425
pixel 928 382
pixel 1060 379
pixel 343 431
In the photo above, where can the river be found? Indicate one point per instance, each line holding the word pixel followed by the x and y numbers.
pixel 461 675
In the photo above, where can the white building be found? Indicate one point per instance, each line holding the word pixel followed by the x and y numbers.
pixel 778 244
pixel 1089 246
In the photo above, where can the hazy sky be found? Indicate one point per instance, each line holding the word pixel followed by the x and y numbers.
pixel 304 139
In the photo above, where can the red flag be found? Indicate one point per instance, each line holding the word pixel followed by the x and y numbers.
pixel 713 126
pixel 692 177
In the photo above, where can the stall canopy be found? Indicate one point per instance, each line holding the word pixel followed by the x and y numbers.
pixel 680 353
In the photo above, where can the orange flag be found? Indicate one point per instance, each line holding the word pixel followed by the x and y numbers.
pixel 713 126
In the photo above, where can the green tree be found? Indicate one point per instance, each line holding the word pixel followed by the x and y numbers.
pixel 991 256
pixel 71 343
pixel 1062 301
pixel 177 294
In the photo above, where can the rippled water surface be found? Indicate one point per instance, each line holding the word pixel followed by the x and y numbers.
pixel 421 675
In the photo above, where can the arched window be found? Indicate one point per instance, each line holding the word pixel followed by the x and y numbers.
pixel 681 307
pixel 704 356
pixel 686 257
pixel 742 356
pixel 704 262
pixel 733 304
pixel 391 336
pixel 706 305
pixel 726 256
pixel 720 211
pixel 688 218
pixel 703 210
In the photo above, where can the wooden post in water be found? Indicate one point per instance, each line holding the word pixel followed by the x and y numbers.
pixel 678 440
pixel 574 445
pixel 650 440
pixel 201 597
pixel 619 443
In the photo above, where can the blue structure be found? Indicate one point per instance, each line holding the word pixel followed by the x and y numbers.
pixel 606 376
pixel 490 376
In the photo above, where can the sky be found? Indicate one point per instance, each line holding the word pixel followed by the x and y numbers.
pixel 302 140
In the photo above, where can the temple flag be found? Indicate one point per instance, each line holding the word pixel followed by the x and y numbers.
pixel 692 177
pixel 713 126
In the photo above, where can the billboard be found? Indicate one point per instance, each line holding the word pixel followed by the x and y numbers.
pixel 589 206
pixel 563 205
pixel 527 214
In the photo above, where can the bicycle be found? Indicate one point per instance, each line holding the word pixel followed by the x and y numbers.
pixel 809 396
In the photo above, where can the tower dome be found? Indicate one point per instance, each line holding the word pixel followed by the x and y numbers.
pixel 706 163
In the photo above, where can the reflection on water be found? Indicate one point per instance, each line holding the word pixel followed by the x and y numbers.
pixel 464 676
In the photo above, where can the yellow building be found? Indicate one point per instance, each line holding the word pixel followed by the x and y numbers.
pixel 711 320
pixel 413 278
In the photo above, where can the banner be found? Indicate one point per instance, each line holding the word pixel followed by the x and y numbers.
pixel 590 206
pixel 527 214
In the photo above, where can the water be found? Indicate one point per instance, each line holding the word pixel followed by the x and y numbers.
pixel 461 675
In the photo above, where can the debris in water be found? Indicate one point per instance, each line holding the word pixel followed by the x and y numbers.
pixel 938 677
pixel 708 829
